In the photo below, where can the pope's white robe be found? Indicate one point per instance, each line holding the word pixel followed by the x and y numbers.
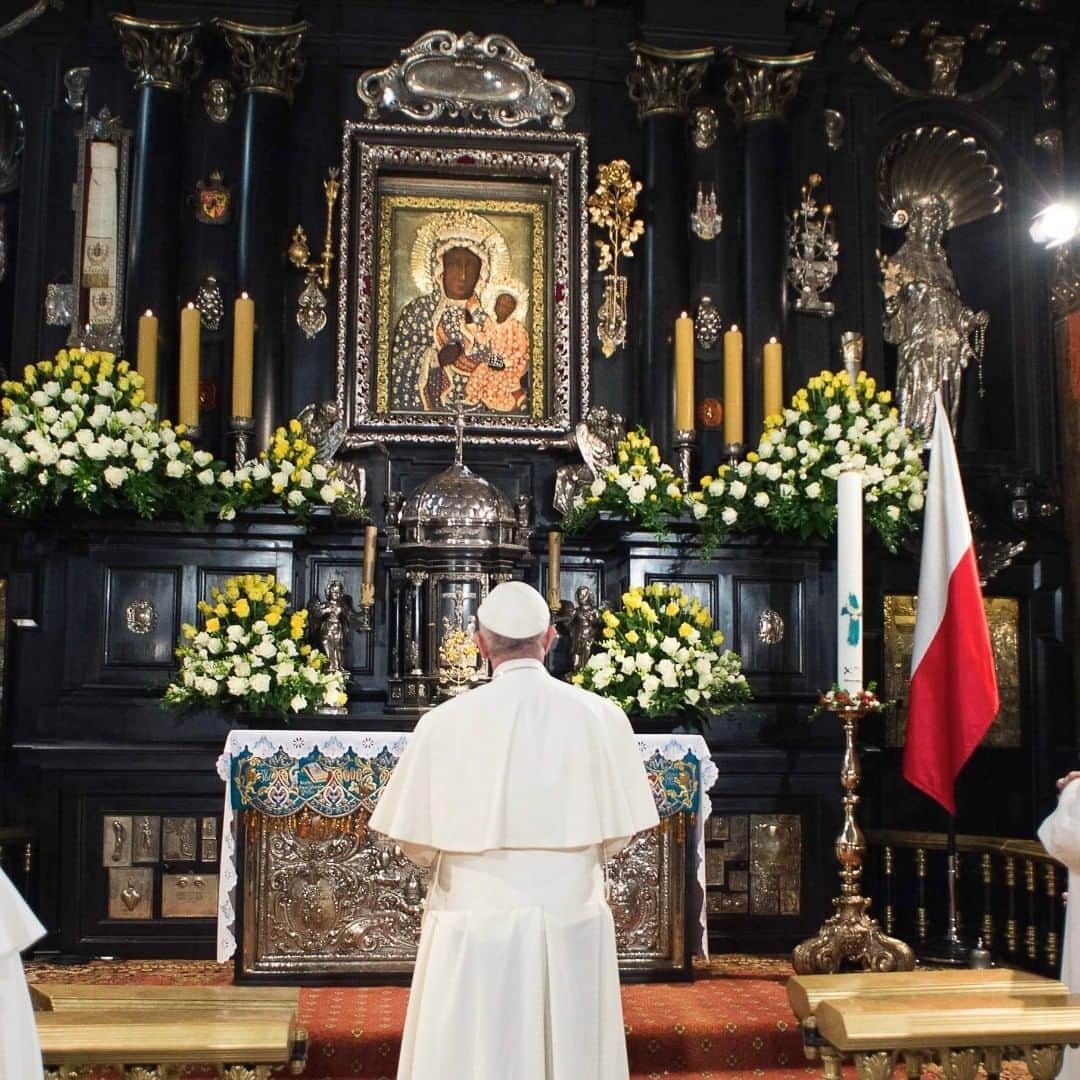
pixel 20 1056
pixel 515 793
pixel 1060 835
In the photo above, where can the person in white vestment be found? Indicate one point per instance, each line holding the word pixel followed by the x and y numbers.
pixel 515 794
pixel 1060 835
pixel 20 1055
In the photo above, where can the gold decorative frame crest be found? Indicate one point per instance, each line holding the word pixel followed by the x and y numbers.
pixel 437 164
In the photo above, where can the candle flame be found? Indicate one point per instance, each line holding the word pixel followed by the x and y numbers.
pixel 684 316
pixel 191 303
pixel 734 328
pixel 244 296
pixel 149 313
pixel 772 341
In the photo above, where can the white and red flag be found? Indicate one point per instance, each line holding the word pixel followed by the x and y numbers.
pixel 954 695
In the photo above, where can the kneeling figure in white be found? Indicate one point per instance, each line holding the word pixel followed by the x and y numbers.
pixel 515 794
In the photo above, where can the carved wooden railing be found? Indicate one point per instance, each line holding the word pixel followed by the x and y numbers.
pixel 1009 893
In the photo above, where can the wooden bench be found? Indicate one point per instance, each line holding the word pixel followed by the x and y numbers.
pixel 152 1032
pixel 812 996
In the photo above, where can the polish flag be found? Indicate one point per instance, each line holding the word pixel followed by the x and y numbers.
pixel 954 696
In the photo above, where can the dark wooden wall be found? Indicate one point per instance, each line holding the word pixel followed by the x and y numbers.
pixel 78 728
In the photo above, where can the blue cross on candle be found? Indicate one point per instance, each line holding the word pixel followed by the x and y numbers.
pixel 854 613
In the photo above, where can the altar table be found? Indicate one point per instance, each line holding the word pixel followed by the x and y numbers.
pixel 307 892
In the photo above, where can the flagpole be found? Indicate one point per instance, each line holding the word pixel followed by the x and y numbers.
pixel 950 949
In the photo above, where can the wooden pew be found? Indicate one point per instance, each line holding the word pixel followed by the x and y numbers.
pixel 961 1032
pixel 154 1031
pixel 887 992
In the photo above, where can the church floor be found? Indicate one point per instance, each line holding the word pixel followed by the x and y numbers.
pixel 732 1022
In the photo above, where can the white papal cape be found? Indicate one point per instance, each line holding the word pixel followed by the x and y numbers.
pixel 515 793
pixel 1060 835
pixel 20 1056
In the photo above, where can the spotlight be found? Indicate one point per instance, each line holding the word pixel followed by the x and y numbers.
pixel 1056 225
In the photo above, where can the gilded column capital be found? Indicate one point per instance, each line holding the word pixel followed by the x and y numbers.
pixel 663 80
pixel 760 87
pixel 162 53
pixel 265 59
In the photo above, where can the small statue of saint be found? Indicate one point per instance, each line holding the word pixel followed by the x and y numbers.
pixel 584 622
pixel 331 620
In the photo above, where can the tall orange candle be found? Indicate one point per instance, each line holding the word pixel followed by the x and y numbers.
pixel 243 356
pixel 733 386
pixel 146 355
pixel 684 373
pixel 190 332
pixel 773 363
pixel 371 540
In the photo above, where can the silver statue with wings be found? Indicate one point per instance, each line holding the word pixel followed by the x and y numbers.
pixel 324 428
pixel 596 439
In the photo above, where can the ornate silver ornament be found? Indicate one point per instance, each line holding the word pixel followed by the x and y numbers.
pixel 218 98
pixel 59 303
pixel 706 123
pixel 770 627
pixel 707 323
pixel 140 617
pixel 76 82
pixel 705 220
pixel 211 303
pixel 311 308
pixel 812 252
pixel 444 74
pixel 12 139
pixel 834 129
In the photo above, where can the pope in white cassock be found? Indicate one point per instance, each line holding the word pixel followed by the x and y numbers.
pixel 515 793
pixel 1060 835
pixel 20 1056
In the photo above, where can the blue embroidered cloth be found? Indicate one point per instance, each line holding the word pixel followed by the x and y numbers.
pixel 336 786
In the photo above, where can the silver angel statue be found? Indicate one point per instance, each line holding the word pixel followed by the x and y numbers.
pixel 596 438
pixel 324 428
pixel 937 335
pixel 932 179
pixel 584 620
pixel 331 620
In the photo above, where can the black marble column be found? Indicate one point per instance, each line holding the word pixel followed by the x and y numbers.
pixel 758 90
pixel 164 57
pixel 661 84
pixel 267 66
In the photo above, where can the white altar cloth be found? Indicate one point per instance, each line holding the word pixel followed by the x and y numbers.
pixel 298 744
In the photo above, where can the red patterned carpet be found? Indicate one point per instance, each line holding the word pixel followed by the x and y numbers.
pixel 733 1022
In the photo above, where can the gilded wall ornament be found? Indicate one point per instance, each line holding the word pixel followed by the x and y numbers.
pixel 161 53
pixel 211 304
pixel 662 81
pixel 213 200
pixel 265 59
pixel 706 221
pixel 466 76
pixel 218 98
pixel 705 126
pixel 812 252
pixel 945 57
pixel 761 87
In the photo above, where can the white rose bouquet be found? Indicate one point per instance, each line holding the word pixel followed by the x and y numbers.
pixel 288 474
pixel 79 428
pixel 660 655
pixel 789 482
pixel 638 486
pixel 250 655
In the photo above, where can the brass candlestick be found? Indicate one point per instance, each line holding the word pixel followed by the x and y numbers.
pixel 311 312
pixel 850 934
pixel 684 442
pixel 241 428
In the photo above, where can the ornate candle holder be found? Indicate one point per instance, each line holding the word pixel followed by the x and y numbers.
pixel 311 312
pixel 684 442
pixel 851 349
pixel 241 429
pixel 850 934
pixel 734 452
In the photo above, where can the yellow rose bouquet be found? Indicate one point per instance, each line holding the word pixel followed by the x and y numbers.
pixel 250 655
pixel 660 655
pixel 638 486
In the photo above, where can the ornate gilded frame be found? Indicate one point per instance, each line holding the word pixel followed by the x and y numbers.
pixel 375 155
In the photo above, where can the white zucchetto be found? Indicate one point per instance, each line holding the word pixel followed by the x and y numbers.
pixel 514 610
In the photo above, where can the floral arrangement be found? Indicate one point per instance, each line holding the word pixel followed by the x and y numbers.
pixel 865 700
pixel 789 482
pixel 288 474
pixel 660 655
pixel 79 427
pixel 250 655
pixel 637 486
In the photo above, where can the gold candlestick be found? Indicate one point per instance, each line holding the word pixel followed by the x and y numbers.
pixel 554 591
pixel 851 935
pixel 311 313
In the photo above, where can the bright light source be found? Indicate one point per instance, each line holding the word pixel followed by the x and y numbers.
pixel 1056 225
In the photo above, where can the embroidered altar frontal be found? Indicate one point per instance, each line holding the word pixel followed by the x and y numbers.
pixel 317 895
